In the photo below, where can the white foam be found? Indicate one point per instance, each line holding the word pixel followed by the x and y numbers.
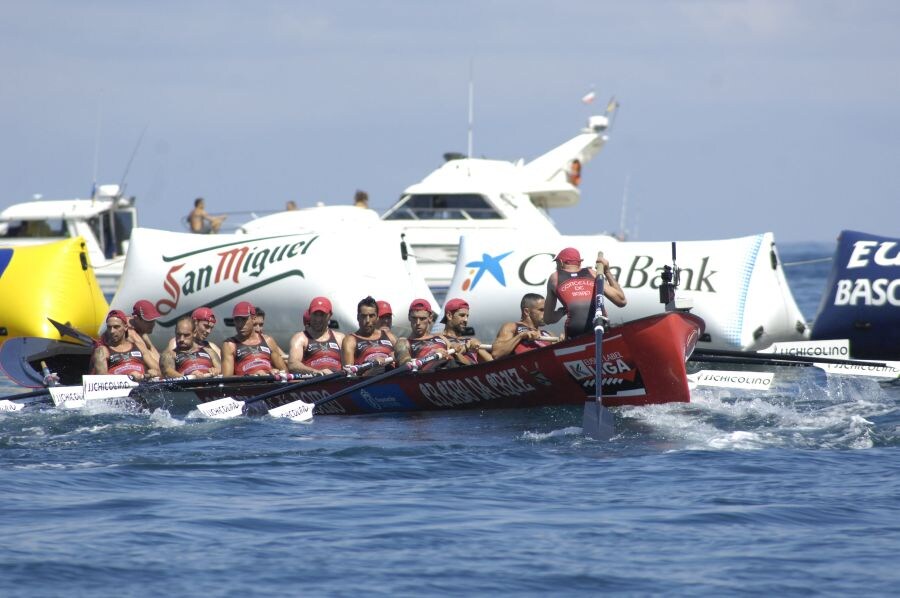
pixel 541 436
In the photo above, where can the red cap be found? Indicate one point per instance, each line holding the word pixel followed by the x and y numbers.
pixel 452 306
pixel 146 311
pixel 244 309
pixel 204 313
pixel 569 255
pixel 420 305
pixel 117 313
pixel 319 304
pixel 384 309
pixel 306 319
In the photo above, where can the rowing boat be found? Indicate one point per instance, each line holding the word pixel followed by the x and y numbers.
pixel 643 364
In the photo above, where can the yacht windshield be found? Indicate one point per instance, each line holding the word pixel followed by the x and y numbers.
pixel 462 206
pixel 16 229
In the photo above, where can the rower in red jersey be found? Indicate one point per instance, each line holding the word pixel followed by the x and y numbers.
pixel 456 324
pixel 247 353
pixel 369 342
pixel 188 357
pixel 422 343
pixel 526 334
pixel 115 354
pixel 317 349
pixel 204 321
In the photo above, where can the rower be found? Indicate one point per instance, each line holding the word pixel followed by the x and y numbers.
pixel 140 327
pixel 188 357
pixel 246 353
pixel 317 349
pixel 116 354
pixel 204 321
pixel 526 334
pixel 456 324
pixel 573 286
pixel 385 315
pixel 369 343
pixel 259 323
pixel 421 342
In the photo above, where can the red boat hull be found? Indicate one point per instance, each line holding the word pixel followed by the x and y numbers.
pixel 643 363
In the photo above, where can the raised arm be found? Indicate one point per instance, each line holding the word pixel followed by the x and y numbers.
pixel 611 290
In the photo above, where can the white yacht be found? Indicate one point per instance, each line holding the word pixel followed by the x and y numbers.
pixel 104 221
pixel 464 196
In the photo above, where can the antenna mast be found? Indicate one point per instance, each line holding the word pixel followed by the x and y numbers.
pixel 471 104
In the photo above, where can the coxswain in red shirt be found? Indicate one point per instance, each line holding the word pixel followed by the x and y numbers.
pixel 317 349
pixel 115 354
pixel 526 334
pixel 247 353
pixel 188 357
pixel 573 286
pixel 456 323
pixel 422 343
pixel 369 342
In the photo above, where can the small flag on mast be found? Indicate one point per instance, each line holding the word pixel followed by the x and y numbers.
pixel 588 98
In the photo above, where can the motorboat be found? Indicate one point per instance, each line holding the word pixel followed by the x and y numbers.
pixel 104 222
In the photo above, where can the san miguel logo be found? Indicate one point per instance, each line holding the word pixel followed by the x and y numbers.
pixel 235 268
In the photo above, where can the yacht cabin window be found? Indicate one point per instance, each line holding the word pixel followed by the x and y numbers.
pixel 458 206
pixel 50 228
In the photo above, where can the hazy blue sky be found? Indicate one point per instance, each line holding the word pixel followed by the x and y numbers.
pixel 736 117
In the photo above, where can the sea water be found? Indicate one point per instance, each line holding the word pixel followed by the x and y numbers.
pixel 791 491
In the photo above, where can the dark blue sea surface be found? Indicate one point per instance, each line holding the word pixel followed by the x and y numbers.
pixel 792 491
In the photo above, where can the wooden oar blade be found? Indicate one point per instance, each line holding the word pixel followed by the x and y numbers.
pixel 9 407
pixel 67 397
pixel 298 411
pixel 226 408
pixel 732 379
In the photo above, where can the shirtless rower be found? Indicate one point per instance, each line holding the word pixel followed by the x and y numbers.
pixel 116 354
pixel 246 353
pixel 421 342
pixel 140 327
pixel 204 321
pixel 456 322
pixel 201 221
pixel 369 342
pixel 317 349
pixel 573 286
pixel 526 334
pixel 188 357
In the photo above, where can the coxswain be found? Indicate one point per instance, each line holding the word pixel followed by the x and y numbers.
pixel 248 353
pixel 188 357
pixel 422 342
pixel 317 349
pixel 140 326
pixel 574 287
pixel 456 325
pixel 204 321
pixel 116 354
pixel 369 342
pixel 526 334
pixel 385 315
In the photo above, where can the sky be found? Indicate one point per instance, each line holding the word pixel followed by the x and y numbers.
pixel 735 117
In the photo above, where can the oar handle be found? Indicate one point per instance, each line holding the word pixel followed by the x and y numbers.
pixel 291 387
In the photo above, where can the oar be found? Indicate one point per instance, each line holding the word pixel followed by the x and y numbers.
pixel 598 422
pixel 301 411
pixel 754 357
pixel 732 379
pixel 228 407
pixel 66 330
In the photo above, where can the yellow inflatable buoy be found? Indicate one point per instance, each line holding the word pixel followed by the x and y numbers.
pixel 50 280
